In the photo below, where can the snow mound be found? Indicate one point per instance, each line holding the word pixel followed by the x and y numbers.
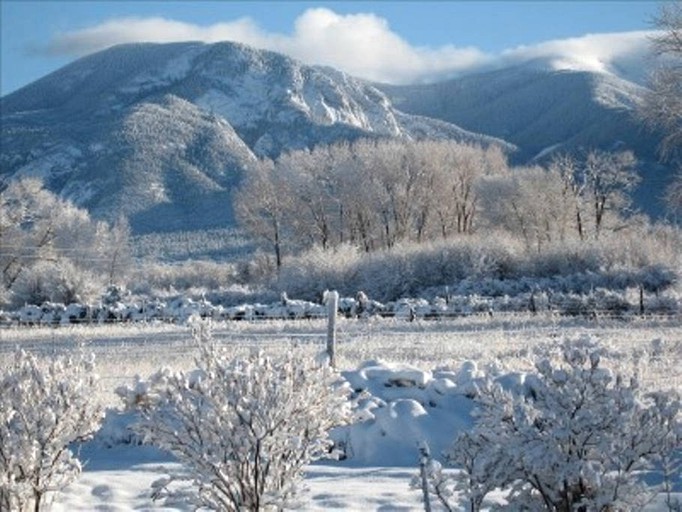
pixel 399 406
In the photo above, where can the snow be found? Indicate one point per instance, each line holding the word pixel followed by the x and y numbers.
pixel 383 447
pixel 174 70
pixel 546 151
pixel 122 482
pixel 402 399
pixel 55 161
pixel 241 111
pixel 406 407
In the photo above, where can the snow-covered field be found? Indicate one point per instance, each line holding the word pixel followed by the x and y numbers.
pixel 378 476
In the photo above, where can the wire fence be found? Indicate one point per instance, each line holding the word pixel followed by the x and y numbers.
pixel 126 350
pixel 90 318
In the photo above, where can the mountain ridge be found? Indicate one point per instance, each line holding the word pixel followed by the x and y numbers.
pixel 163 133
pixel 544 111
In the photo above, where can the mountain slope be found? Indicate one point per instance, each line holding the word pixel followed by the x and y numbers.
pixel 543 111
pixel 532 106
pixel 163 132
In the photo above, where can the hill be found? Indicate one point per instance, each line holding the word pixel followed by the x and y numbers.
pixel 543 110
pixel 163 132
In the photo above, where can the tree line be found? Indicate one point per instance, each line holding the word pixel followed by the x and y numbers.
pixel 374 194
pixel 50 250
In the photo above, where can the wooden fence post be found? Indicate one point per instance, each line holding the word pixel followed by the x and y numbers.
pixel 332 298
pixel 641 299
pixel 424 461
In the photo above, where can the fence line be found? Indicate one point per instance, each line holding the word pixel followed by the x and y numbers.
pixel 592 314
pixel 505 335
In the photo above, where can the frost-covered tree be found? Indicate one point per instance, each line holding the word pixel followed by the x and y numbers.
pixel 45 406
pixel 26 227
pixel 568 168
pixel 662 105
pixel 457 170
pixel 371 193
pixel 243 428
pixel 530 203
pixel 114 246
pixel 609 177
pixel 263 204
pixel 40 230
pixel 575 438
pixel 313 178
pixel 571 197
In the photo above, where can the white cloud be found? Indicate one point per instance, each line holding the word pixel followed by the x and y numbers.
pixel 360 44
pixel 364 45
pixel 625 53
pixel 149 30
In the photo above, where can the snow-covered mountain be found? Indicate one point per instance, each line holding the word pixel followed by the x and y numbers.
pixel 543 106
pixel 533 105
pixel 163 132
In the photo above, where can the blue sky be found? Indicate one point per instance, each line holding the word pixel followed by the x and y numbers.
pixel 409 40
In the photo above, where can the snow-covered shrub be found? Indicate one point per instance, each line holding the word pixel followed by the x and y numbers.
pixel 385 275
pixel 561 259
pixel 574 438
pixel 44 407
pixel 317 269
pixel 60 281
pixel 259 267
pixel 476 265
pixel 187 275
pixel 243 428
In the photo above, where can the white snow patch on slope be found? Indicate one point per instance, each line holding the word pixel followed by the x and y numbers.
pixel 546 151
pixel 174 70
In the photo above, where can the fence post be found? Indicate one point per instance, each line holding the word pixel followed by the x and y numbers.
pixel 424 460
pixel 641 299
pixel 332 299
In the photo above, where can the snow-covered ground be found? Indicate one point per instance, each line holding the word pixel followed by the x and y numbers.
pixel 419 370
pixel 121 481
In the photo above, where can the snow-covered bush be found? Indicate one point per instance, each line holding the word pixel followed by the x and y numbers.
pixel 574 437
pixel 149 278
pixel 481 265
pixel 391 274
pixel 49 246
pixel 44 407
pixel 244 429
pixel 59 281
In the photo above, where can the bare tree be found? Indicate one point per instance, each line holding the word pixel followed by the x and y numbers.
pixel 358 197
pixel 26 226
pixel 568 167
pixel 118 256
pixel 530 203
pixel 458 169
pixel 263 206
pixel 608 178
pixel 313 182
pixel 662 106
